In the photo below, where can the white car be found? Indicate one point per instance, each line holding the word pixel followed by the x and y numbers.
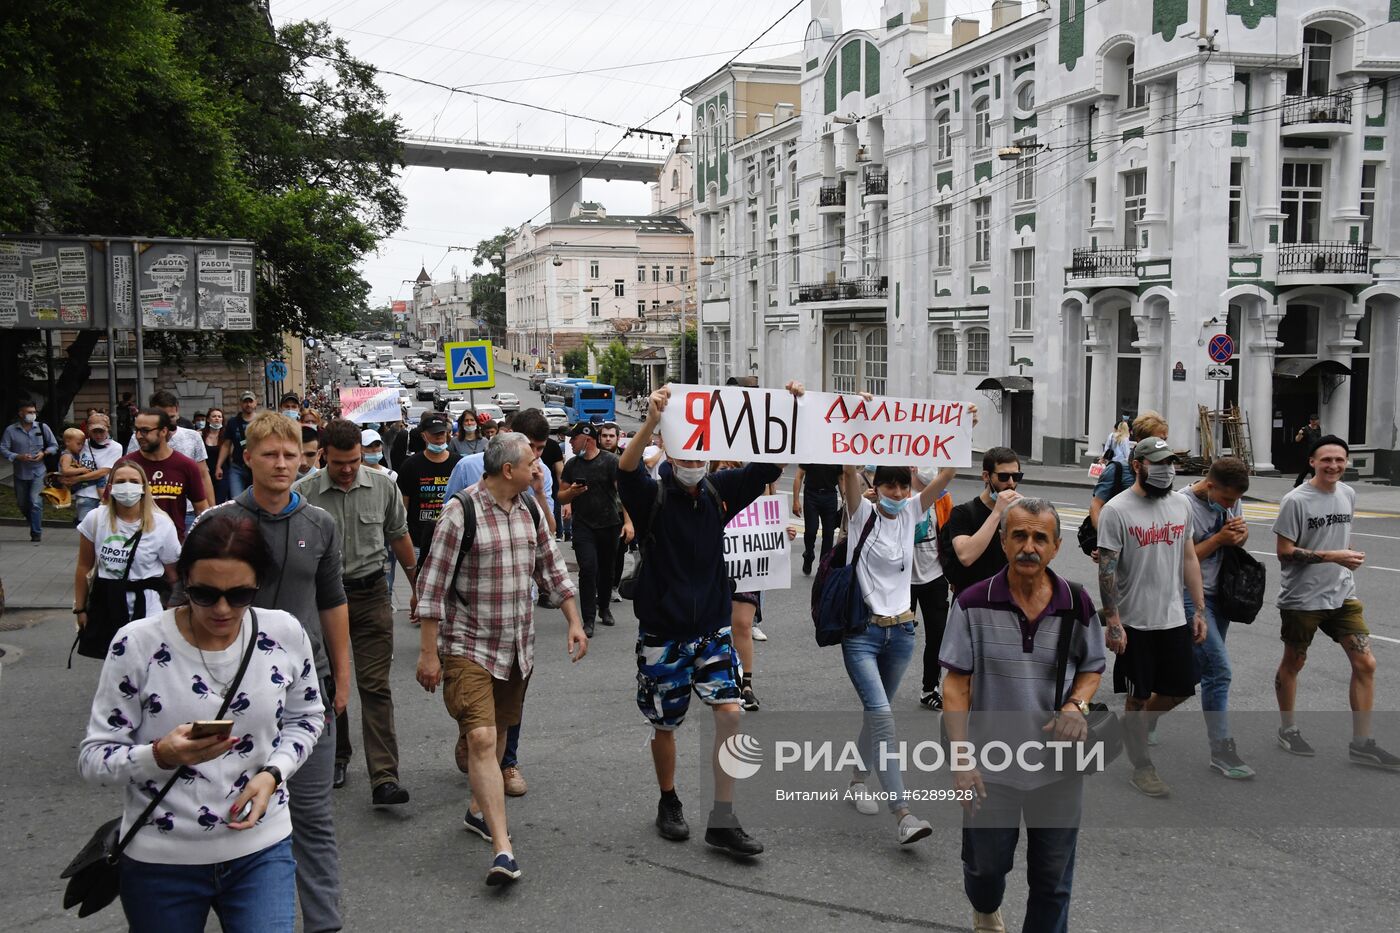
pixel 557 418
pixel 508 401
pixel 365 380
pixel 486 408
pixel 415 413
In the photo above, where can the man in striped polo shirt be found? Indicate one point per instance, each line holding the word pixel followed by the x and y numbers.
pixel 999 650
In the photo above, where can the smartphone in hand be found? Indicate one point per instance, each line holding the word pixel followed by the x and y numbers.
pixel 206 728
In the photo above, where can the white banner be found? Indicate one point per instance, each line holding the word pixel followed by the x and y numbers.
pixel 365 405
pixel 756 547
pixel 772 426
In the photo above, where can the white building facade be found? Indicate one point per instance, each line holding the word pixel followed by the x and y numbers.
pixel 1168 187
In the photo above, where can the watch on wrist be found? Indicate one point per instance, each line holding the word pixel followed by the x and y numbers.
pixel 275 772
pixel 1080 705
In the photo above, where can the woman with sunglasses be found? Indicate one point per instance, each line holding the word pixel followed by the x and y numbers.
pixel 127 585
pixel 221 837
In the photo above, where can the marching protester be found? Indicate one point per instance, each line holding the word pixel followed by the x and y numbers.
pixel 600 521
pixel 477 624
pixel 180 485
pixel 134 547
pixel 310 451
pixel 1119 474
pixel 368 510
pixel 1119 446
pixel 306 582
pixel 410 442
pixel 231 466
pixel 929 589
pixel 183 439
pixel 552 458
pixel 682 602
pixel 423 479
pixel 1146 561
pixel 1318 591
pixel 1002 638
pixel 467 439
pixel 86 470
pixel 212 437
pixel 967 543
pixel 290 406
pixel 1217 521
pixel 877 658
pixel 219 838
pixel 25 443
pixel 1306 439
pixel 815 501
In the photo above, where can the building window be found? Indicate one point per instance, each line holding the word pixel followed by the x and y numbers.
pixel 641 273
pixel 670 273
pixel 982 230
pixel 944 241
pixel 944 145
pixel 844 361
pixel 1091 187
pixel 685 273
pixel 796 252
pixel 792 180
pixel 1025 97
pixel 982 123
pixel 593 306
pixel 876 360
pixel 946 352
pixel 1022 287
pixel 1134 205
pixel 655 303
pixel 978 350
pixel 1315 77
pixel 619 288
pixel 1236 224
pixel 641 309
pixel 1025 170
pixel 1302 202
pixel 718 356
pixel 772 184
pixel 593 269
pixel 1133 93
pixel 1368 201
pixel 656 273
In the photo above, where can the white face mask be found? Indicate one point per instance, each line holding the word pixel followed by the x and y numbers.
pixel 688 476
pixel 127 493
pixel 1161 475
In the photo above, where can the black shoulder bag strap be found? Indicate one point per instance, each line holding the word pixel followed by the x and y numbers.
pixel 1067 623
pixel 133 543
pixel 864 533
pixel 228 698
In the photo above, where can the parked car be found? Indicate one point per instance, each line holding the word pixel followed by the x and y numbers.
pixel 442 395
pixel 537 381
pixel 437 371
pixel 365 380
pixel 427 392
pixel 405 397
pixel 508 401
pixel 486 408
pixel 557 418
pixel 456 407
pixel 408 379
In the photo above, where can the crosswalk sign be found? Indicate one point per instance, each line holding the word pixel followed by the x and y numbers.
pixel 470 365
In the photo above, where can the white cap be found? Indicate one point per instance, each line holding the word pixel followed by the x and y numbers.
pixel 368 437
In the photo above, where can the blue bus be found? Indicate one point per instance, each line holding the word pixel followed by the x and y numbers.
pixel 581 400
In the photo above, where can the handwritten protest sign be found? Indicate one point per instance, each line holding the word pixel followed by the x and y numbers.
pixel 365 405
pixel 772 426
pixel 756 547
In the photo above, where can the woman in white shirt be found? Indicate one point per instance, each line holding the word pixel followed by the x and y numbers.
pixel 221 836
pixel 877 658
pixel 131 570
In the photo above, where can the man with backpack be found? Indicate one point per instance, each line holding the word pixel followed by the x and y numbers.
pixel 476 617
pixel 683 605
pixel 25 444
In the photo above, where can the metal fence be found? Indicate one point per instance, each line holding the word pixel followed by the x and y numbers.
pixel 1324 258
pixel 832 196
pixel 1103 263
pixel 866 286
pixel 1324 108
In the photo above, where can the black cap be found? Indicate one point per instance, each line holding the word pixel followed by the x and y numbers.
pixel 435 423
pixel 584 429
pixel 290 397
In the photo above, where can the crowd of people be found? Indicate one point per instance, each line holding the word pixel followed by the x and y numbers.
pixel 282 529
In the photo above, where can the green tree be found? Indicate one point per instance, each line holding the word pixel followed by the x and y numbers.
pixel 685 346
pixel 615 367
pixel 576 362
pixel 488 288
pixel 196 118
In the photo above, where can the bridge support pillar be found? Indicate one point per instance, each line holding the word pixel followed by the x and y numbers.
pixel 565 189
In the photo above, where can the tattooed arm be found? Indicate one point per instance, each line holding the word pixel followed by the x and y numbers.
pixel 1115 637
pixel 1290 553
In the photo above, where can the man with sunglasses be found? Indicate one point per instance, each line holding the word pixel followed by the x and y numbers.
pixel 183 439
pixel 968 545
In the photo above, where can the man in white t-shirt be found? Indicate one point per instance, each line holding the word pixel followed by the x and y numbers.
pixel 184 440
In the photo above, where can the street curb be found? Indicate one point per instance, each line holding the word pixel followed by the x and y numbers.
pixel 47 523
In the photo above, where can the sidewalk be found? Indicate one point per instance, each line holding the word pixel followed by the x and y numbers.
pixel 38 576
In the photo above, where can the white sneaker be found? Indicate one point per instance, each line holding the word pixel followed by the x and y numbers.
pixel 988 923
pixel 860 796
pixel 758 634
pixel 912 829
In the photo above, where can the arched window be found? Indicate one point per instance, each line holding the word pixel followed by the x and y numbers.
pixel 943 135
pixel 876 360
pixel 844 361
pixel 1134 94
pixel 675 179
pixel 982 123
pixel 792 180
pixel 1025 97
pixel 1315 77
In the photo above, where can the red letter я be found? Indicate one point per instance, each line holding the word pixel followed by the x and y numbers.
pixel 699 439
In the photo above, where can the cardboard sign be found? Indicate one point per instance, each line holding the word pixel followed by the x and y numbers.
pixel 756 551
pixel 772 426
pixel 364 405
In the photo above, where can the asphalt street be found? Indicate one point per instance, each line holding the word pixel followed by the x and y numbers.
pixel 592 860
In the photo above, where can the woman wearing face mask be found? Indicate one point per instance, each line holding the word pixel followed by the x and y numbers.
pixel 883 532
pixel 467 438
pixel 134 546
pixel 212 435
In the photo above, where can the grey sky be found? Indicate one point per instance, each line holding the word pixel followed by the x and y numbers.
pixel 640 54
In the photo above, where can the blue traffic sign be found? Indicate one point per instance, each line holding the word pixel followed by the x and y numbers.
pixel 470 365
pixel 276 371
pixel 1221 348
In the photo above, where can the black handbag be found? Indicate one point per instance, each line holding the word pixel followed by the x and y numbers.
pixel 1104 725
pixel 94 875
pixel 1240 590
pixel 94 638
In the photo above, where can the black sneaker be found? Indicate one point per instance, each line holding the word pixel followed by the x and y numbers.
pixel 588 629
pixel 605 616
pixel 807 565
pixel 1371 755
pixel 747 700
pixel 1226 760
pixel 931 699
pixel 670 820
pixel 389 794
pixel 1291 741
pixel 733 840
pixel 341 772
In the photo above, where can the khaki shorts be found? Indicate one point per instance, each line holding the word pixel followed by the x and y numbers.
pixel 1300 625
pixel 476 699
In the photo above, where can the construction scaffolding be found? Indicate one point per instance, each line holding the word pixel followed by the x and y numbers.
pixel 1232 427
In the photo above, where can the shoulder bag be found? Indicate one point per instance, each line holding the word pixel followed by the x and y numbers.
pixel 94 638
pixel 1240 587
pixel 94 875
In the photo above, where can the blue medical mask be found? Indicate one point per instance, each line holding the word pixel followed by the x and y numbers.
pixel 199 425
pixel 437 448
pixel 372 425
pixel 373 458
pixel 893 506
pixel 292 413
pixel 991 494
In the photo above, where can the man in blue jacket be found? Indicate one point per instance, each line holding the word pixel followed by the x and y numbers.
pixel 682 601
pixel 25 444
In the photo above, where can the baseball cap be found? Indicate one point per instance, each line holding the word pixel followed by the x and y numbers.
pixel 247 397
pixel 1153 450
pixel 290 397
pixel 435 423
pixel 584 429
pixel 368 437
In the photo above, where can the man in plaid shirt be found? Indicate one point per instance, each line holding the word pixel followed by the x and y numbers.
pixel 477 627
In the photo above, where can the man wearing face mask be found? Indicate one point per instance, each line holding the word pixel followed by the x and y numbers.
pixel 25 444
pixel 968 545
pixel 231 464
pixel 1146 560
pixel 97 457
pixel 290 406
pixel 423 480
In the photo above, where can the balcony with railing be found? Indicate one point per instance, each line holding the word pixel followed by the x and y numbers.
pixel 1316 115
pixel 1324 263
pixel 877 185
pixel 863 288
pixel 1095 266
pixel 832 199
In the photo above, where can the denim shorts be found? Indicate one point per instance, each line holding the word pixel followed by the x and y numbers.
pixel 668 670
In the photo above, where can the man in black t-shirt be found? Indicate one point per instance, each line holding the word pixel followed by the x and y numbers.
pixel 814 499
pixel 968 545
pixel 423 480
pixel 553 460
pixel 590 491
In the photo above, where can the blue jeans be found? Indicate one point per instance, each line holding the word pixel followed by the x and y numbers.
pixel 83 505
pixel 989 850
pixel 510 758
pixel 875 661
pixel 252 894
pixel 1214 661
pixel 238 479
pixel 31 504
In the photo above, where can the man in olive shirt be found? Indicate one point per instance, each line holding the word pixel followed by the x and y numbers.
pixel 368 509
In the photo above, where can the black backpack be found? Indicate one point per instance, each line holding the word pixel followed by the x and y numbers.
pixel 469 528
pixel 1088 534
pixel 1240 587
pixel 627 586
